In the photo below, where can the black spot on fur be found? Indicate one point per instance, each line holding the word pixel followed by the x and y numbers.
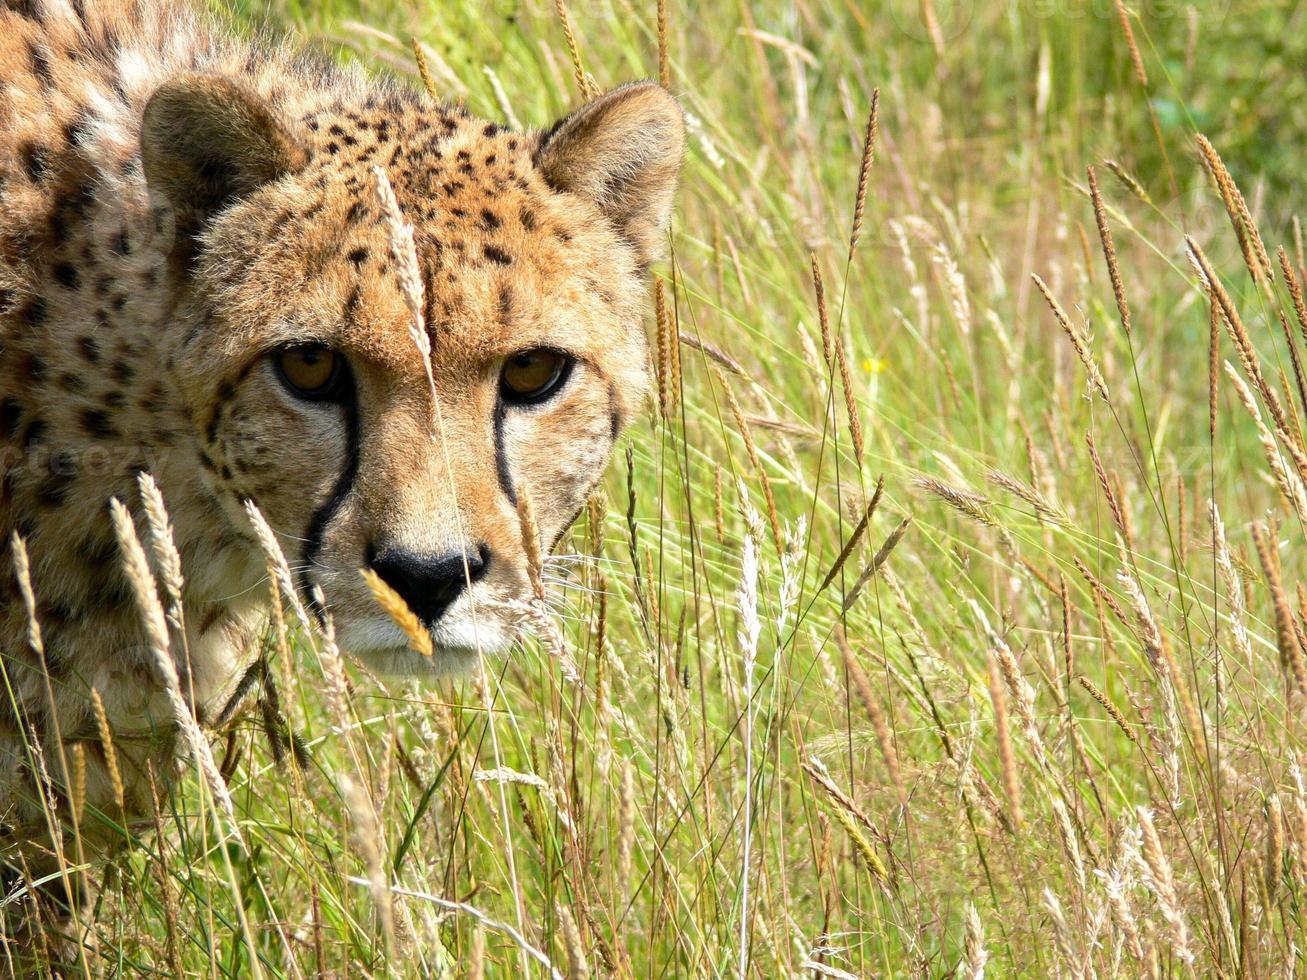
pixel 54 490
pixel 35 368
pixel 72 383
pixel 97 423
pixel 65 274
pixel 34 434
pixel 74 130
pixel 528 219
pixel 358 256
pixel 497 255
pixel 41 66
pixel 492 129
pixel 121 244
pixel 11 413
pixel 33 314
pixel 122 372
pixel 489 219
pixel 90 349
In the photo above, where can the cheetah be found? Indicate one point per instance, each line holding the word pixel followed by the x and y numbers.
pixel 197 282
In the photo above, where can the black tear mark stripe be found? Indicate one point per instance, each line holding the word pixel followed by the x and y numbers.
pixel 501 456
pixel 323 516
pixel 505 474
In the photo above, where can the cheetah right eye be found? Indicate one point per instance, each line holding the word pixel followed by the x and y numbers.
pixel 311 372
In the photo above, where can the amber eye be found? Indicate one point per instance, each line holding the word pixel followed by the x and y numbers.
pixel 310 371
pixel 532 376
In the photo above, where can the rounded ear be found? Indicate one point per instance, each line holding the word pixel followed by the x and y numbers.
pixel 206 141
pixel 623 152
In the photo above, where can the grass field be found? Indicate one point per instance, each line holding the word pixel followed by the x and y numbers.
pixel 1025 708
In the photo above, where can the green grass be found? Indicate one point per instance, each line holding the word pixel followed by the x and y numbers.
pixel 981 161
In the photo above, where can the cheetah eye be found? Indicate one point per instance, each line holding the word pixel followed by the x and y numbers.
pixel 310 371
pixel 533 376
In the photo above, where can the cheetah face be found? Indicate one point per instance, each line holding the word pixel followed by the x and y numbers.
pixel 296 350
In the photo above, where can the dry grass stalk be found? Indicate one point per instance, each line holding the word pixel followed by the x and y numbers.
pixel 664 57
pixel 1289 483
pixel 1245 229
pixel 137 569
pixel 817 773
pixel 424 70
pixel 864 170
pixel 578 968
pixel 1127 181
pixel 172 914
pixel 823 313
pixel 1234 596
pixel 1109 251
pixel 77 787
pixel 972 504
pixel 878 560
pixel 1078 340
pixel 1158 877
pixel 956 284
pixel 1244 347
pixel 1136 59
pixel 719 510
pixel 1213 364
pixel 884 736
pixel 1291 653
pixel 1295 291
pixel 854 538
pixel 1274 846
pixel 164 546
pixel 1100 591
pixel 1045 508
pixel 397 609
pixel 870 859
pixel 1112 710
pixel 850 401
pixel 404 251
pixel 110 752
pixel 530 531
pixel 367 838
pixel 714 353
pixel 1158 650
pixel 1113 503
pixel 751 448
pixel 930 20
pixel 574 51
pixel 626 826
pixel 974 954
pixel 1006 756
pixel 267 539
pixel 663 347
pixel 35 640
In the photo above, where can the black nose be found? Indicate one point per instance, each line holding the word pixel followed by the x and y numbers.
pixel 430 583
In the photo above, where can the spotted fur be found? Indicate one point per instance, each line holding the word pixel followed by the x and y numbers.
pixel 178 205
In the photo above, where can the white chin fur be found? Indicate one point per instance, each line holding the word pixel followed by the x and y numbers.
pixel 381 645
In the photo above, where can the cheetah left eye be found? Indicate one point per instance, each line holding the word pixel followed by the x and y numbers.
pixel 533 376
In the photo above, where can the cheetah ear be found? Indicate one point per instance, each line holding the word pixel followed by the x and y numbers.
pixel 623 152
pixel 206 141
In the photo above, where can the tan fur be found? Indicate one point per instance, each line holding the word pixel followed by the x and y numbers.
pixel 176 205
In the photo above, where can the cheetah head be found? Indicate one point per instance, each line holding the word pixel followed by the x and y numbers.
pixel 291 340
